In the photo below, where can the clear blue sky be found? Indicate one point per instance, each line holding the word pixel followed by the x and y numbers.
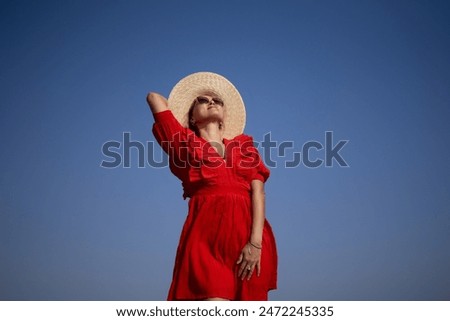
pixel 74 75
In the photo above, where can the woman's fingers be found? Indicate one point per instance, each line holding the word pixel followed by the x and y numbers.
pixel 240 258
pixel 246 269
pixel 250 272
pixel 243 269
pixel 249 261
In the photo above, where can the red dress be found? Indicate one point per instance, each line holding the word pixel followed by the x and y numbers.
pixel 219 221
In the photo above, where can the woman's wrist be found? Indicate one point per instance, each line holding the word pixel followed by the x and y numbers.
pixel 255 245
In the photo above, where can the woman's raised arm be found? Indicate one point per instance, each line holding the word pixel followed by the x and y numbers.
pixel 157 102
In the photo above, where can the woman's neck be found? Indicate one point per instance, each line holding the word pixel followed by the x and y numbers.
pixel 211 132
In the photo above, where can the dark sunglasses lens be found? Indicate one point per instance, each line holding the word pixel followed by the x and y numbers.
pixel 218 101
pixel 202 100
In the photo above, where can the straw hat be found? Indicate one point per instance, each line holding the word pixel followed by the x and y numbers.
pixel 187 89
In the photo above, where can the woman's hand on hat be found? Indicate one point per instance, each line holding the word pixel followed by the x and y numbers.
pixel 157 102
pixel 249 260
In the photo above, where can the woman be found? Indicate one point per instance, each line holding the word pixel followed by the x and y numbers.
pixel 227 249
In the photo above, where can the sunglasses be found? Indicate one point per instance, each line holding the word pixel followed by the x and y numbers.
pixel 204 100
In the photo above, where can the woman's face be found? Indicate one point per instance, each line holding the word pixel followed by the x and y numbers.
pixel 208 108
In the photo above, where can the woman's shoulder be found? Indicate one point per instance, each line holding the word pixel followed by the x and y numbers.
pixel 162 116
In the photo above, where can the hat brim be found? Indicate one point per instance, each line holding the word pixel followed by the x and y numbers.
pixel 187 89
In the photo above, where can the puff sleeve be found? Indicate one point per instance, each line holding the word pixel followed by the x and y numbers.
pixel 172 137
pixel 251 163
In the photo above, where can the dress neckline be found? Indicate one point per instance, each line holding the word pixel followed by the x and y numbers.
pixel 224 142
